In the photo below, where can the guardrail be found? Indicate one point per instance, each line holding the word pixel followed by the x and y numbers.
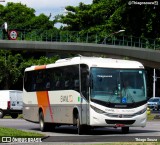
pixel 79 37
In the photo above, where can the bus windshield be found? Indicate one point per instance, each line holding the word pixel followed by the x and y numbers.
pixel 118 86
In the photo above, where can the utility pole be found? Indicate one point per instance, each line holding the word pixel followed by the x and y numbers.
pixel 154 82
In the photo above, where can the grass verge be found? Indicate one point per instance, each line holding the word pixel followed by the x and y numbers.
pixel 150 117
pixel 4 131
pixel 20 116
pixel 15 135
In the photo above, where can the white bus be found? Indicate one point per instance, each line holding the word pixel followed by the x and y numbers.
pixel 86 92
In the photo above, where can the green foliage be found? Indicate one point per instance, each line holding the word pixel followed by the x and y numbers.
pixel 10 67
pixel 46 60
pixel 16 15
pixel 40 22
pixel 110 16
pixel 29 27
pixel 1 10
pixel 23 19
pixel 41 61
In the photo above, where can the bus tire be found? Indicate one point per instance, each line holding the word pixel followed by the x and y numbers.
pixel 51 126
pixel 125 130
pixel 43 125
pixel 80 128
pixel 1 114
pixel 88 129
pixel 14 115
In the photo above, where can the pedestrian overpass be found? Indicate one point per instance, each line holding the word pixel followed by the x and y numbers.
pixel 116 46
pixel 149 57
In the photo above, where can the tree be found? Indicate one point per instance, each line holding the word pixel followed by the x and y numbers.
pixel 23 19
pixel 17 15
pixel 110 16
pixel 29 26
pixel 10 66
pixel 1 10
pixel 43 60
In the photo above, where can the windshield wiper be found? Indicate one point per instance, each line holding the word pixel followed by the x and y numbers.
pixel 131 98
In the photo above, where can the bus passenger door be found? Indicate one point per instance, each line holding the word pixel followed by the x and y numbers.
pixel 84 94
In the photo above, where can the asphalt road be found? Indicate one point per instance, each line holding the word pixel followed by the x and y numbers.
pixel 69 133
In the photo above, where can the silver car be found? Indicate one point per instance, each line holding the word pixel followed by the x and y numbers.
pixel 154 103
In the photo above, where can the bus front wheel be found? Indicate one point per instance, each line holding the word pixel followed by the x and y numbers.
pixel 43 125
pixel 125 129
pixel 80 128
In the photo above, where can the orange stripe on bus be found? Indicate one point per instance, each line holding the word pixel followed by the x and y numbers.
pixel 40 67
pixel 43 102
pixel 43 97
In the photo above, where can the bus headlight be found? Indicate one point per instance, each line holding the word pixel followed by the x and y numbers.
pixel 97 110
pixel 141 112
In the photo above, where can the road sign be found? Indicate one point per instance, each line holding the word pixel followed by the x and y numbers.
pixel 13 34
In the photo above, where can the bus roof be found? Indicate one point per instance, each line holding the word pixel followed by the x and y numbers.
pixel 92 62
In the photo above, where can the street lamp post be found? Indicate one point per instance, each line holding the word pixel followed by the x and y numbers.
pixel 5 30
pixel 154 82
pixel 104 41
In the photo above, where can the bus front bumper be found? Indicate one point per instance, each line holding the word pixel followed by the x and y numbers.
pixel 103 120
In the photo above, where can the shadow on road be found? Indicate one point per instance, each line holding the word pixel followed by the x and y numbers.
pixel 70 130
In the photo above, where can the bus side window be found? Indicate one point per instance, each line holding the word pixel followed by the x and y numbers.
pixel 57 87
pixel 47 85
pixel 47 81
pixel 33 82
pixel 76 85
pixel 66 85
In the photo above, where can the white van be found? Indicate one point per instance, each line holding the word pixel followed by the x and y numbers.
pixel 11 103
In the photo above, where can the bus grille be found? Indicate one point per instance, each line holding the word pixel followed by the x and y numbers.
pixel 128 122
pixel 120 116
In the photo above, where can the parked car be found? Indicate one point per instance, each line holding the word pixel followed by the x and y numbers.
pixel 10 103
pixel 154 103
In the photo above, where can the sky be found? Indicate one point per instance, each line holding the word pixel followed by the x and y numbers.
pixel 54 7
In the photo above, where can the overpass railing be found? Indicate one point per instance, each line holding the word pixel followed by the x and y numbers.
pixel 79 37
